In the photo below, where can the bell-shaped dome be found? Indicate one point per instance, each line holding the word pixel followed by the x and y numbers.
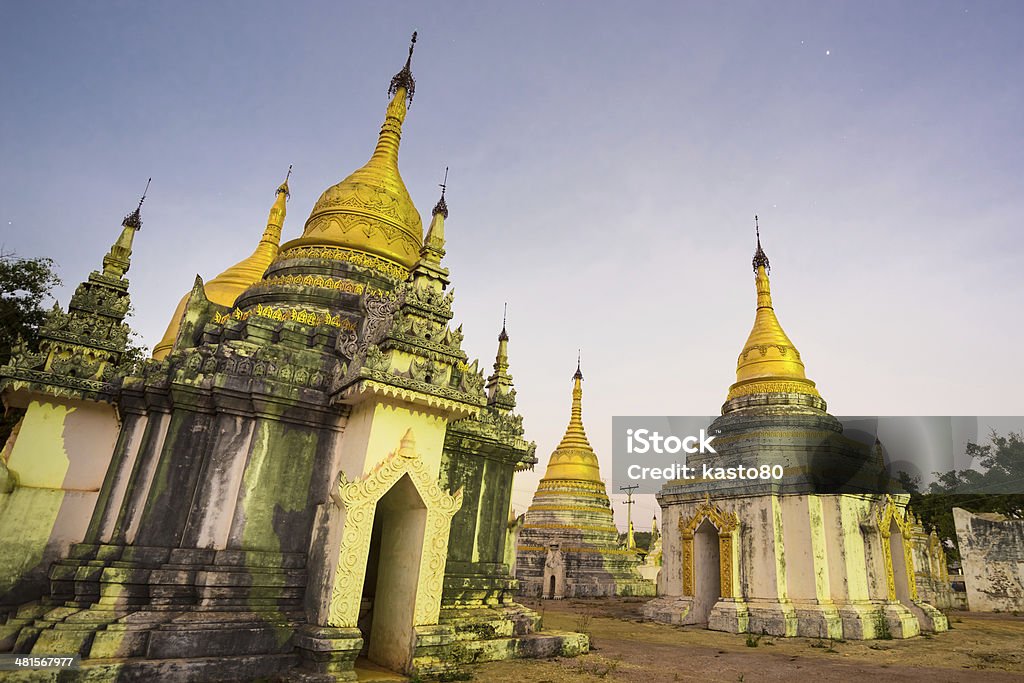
pixel 574 458
pixel 370 210
pixel 227 286
pixel 769 362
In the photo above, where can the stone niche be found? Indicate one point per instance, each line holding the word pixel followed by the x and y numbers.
pixel 992 556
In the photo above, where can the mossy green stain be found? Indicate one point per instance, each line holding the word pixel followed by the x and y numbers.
pixel 276 480
pixel 162 476
pixel 25 527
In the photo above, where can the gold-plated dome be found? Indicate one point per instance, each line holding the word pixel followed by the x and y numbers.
pixel 371 210
pixel 769 362
pixel 574 458
pixel 226 287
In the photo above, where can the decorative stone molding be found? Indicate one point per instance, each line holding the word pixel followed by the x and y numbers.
pixel 885 514
pixel 728 526
pixel 359 499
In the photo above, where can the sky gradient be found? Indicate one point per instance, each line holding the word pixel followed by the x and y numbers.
pixel 606 163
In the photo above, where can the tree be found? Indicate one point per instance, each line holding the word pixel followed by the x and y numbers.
pixel 997 487
pixel 135 352
pixel 24 284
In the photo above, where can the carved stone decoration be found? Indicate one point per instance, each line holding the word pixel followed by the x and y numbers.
pixel 887 513
pixel 359 499
pixel 728 526
pixel 380 312
pixel 347 343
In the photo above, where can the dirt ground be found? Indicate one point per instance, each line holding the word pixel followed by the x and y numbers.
pixel 979 647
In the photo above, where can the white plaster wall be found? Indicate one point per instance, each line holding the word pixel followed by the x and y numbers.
pixel 992 556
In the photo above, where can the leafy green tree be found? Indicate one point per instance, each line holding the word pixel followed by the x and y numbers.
pixel 25 286
pixel 641 538
pixel 25 283
pixel 996 487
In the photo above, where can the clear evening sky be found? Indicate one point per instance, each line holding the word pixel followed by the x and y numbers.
pixel 606 163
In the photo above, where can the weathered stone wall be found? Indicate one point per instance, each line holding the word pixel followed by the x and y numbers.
pixel 992 555
pixel 930 571
pixel 56 458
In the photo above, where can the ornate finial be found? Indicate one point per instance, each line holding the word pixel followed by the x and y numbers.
pixel 442 206
pixel 579 373
pixel 404 79
pixel 504 335
pixel 284 186
pixel 760 258
pixel 134 219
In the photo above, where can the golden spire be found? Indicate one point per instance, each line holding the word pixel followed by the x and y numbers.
pixel 226 287
pixel 574 458
pixel 371 210
pixel 499 385
pixel 433 245
pixel 769 361
pixel 118 260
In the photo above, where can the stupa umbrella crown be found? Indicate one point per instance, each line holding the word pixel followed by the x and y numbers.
pixel 574 458
pixel 769 361
pixel 371 210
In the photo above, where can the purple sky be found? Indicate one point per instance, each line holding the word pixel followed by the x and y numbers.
pixel 606 161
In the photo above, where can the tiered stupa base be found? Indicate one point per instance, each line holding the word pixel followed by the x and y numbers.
pixel 765 558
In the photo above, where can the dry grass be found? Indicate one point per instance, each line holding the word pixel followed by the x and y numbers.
pixel 980 648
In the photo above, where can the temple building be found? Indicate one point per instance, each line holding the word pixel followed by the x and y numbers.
pixel 309 474
pixel 568 545
pixel 931 573
pixel 651 567
pixel 54 462
pixel 823 550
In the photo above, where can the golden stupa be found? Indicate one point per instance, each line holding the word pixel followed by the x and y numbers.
pixel 370 210
pixel 769 362
pixel 226 287
pixel 574 458
pixel 569 545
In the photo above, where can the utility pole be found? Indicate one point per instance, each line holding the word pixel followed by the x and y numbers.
pixel 629 511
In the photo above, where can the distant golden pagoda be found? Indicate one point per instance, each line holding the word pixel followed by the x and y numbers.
pixel 225 288
pixel 569 545
pixel 574 459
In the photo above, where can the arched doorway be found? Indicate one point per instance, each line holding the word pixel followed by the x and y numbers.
pixel 710 558
pixel 895 531
pixel 392 575
pixel 897 551
pixel 707 576
pixel 389 571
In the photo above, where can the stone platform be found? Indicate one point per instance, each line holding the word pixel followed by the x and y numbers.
pixel 143 614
